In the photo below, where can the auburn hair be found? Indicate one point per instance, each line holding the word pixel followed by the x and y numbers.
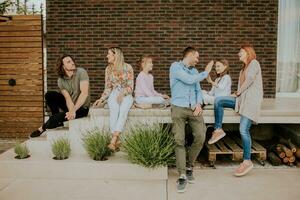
pixel 251 55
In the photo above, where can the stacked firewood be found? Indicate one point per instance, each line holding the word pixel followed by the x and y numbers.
pixel 284 152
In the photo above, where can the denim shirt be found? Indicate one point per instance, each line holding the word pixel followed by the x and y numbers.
pixel 185 87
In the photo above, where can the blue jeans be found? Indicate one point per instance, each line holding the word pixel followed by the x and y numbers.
pixel 245 123
pixel 118 112
pixel 219 105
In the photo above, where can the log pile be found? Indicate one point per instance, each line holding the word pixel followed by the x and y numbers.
pixel 284 152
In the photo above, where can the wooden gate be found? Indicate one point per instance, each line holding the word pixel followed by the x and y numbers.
pixel 21 75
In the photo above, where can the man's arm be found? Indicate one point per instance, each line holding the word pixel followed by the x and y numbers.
pixel 84 87
pixel 84 92
pixel 68 99
pixel 180 74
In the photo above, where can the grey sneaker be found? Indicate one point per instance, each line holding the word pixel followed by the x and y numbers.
pixel 181 185
pixel 190 177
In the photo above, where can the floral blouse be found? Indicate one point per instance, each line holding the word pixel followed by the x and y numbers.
pixel 114 79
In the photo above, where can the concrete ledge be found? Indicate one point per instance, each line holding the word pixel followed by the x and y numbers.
pixel 280 110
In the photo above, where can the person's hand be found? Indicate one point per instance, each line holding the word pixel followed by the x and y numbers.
pixel 209 79
pixel 214 83
pixel 165 96
pixel 198 110
pixel 234 95
pixel 70 115
pixel 209 66
pixel 120 98
pixel 98 102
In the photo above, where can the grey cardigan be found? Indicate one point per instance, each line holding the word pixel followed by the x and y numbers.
pixel 249 102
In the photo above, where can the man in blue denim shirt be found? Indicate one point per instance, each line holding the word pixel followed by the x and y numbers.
pixel 186 105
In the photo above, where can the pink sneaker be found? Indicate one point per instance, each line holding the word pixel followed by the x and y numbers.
pixel 216 136
pixel 244 168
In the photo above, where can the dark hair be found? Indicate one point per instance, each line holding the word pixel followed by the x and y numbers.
pixel 141 60
pixel 225 63
pixel 59 65
pixel 188 50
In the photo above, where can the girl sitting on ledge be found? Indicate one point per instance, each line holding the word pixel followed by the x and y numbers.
pixel 222 84
pixel 145 94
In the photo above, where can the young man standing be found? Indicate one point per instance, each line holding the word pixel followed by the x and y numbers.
pixel 186 106
pixel 73 101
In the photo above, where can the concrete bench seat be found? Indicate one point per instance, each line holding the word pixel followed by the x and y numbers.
pixel 274 111
pixel 280 110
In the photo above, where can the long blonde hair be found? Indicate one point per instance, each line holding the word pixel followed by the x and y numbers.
pixel 119 62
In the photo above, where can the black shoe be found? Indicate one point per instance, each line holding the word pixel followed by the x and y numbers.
pixel 189 175
pixel 36 133
pixel 181 185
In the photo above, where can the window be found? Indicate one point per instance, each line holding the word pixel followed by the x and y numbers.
pixel 288 48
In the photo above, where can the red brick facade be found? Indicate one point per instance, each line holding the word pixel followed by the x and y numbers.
pixel 85 28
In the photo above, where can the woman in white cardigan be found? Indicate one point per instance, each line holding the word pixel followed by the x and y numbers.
pixel 246 101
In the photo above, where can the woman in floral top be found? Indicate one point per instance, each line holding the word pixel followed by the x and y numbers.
pixel 119 81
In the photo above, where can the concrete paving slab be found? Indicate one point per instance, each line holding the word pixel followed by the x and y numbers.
pixel 43 189
pixel 4 183
pixel 220 184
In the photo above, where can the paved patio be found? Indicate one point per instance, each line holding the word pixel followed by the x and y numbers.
pixel 219 184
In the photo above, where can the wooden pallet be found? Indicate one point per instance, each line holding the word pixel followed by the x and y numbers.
pixel 232 146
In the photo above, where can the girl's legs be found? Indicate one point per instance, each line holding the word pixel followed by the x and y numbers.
pixel 150 100
pixel 219 105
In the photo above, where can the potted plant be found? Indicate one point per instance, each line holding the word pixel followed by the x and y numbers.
pixel 150 146
pixel 22 151
pixel 96 143
pixel 61 149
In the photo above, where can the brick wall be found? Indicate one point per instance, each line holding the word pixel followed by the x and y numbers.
pixel 85 28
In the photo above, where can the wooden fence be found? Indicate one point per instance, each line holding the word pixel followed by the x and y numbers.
pixel 21 75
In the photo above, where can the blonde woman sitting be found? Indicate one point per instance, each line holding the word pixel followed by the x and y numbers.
pixel 118 93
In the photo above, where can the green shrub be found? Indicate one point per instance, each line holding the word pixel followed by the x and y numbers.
pixel 150 146
pixel 95 143
pixel 61 148
pixel 22 151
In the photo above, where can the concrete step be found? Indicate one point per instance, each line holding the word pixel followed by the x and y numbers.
pixel 41 165
pixel 54 134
